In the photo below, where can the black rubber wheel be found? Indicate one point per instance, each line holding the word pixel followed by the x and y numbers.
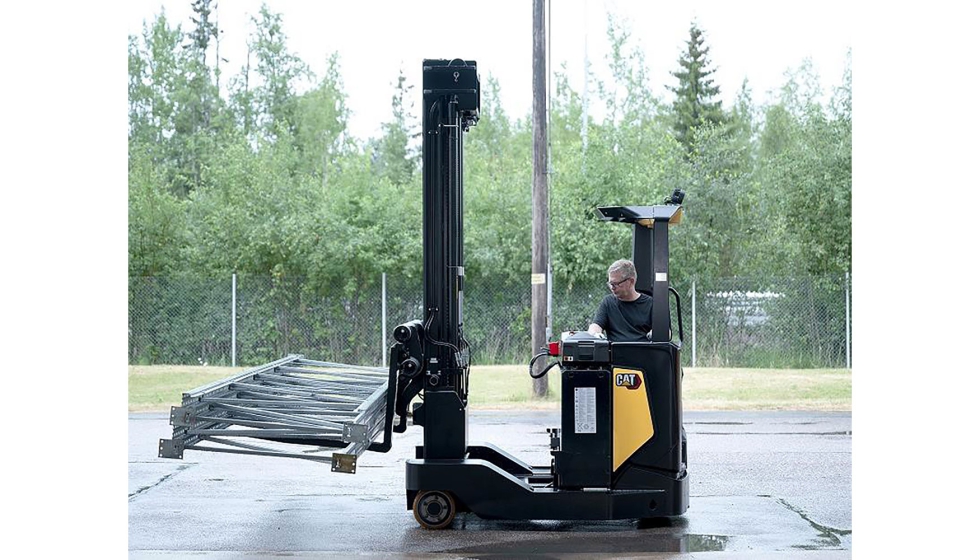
pixel 434 509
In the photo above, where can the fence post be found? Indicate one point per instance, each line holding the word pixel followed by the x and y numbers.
pixel 694 322
pixel 234 319
pixel 384 320
pixel 847 308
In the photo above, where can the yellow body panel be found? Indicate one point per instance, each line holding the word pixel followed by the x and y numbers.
pixel 632 421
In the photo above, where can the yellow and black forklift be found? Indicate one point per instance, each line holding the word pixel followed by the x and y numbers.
pixel 620 451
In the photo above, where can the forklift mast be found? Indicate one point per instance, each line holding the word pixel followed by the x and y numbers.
pixel 451 105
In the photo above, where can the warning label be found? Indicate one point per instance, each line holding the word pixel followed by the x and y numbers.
pixel 585 410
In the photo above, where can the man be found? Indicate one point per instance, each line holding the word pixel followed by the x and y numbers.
pixel 624 314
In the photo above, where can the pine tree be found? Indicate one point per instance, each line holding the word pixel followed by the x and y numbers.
pixel 279 72
pixel 396 156
pixel 695 105
pixel 204 89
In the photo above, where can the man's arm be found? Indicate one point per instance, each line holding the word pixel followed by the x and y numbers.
pixel 600 319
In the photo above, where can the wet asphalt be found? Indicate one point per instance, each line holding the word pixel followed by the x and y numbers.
pixel 762 484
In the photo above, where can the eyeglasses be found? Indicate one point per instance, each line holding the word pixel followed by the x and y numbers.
pixel 614 285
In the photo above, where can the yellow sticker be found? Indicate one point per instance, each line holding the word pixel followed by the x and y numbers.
pixel 632 421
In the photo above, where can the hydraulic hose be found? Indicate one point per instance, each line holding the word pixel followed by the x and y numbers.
pixel 530 366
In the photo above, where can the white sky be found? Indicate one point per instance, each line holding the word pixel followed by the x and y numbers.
pixel 757 40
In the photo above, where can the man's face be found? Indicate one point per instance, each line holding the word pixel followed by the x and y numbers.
pixel 619 286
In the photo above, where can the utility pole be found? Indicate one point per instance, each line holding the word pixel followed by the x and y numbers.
pixel 539 198
pixel 585 86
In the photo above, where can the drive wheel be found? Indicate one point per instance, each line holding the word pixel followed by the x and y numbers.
pixel 434 509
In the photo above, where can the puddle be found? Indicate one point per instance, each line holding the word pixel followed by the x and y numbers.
pixel 705 543
pixel 586 538
pixel 634 544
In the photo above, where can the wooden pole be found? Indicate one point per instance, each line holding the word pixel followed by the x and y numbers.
pixel 539 197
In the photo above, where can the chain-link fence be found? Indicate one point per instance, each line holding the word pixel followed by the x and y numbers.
pixel 729 322
pixel 771 322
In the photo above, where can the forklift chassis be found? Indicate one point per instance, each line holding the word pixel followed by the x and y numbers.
pixel 582 482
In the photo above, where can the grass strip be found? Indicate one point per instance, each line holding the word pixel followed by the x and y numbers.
pixel 157 388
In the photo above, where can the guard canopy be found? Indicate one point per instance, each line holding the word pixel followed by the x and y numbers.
pixel 643 215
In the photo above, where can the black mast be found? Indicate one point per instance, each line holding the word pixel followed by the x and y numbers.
pixel 451 104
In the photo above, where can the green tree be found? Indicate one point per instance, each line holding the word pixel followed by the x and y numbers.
pixel 720 225
pixel 141 125
pixel 841 102
pixel 252 214
pixel 806 168
pixel 743 121
pixel 202 92
pixel 364 225
pixel 202 116
pixel 157 228
pixel 176 112
pixel 629 99
pixel 154 78
pixel 497 197
pixel 396 154
pixel 695 103
pixel 204 29
pixel 630 159
pixel 321 137
pixel 241 98
pixel 280 73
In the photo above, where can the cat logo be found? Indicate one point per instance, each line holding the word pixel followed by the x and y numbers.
pixel 631 381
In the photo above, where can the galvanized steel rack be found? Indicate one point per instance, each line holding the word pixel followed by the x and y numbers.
pixel 294 407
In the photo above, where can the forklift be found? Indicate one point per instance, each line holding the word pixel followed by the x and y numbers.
pixel 621 450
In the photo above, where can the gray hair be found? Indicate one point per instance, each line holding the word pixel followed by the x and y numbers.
pixel 624 267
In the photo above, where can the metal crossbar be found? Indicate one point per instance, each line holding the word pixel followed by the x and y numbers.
pixel 293 407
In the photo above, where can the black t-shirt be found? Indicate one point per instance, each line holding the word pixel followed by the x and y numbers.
pixel 625 321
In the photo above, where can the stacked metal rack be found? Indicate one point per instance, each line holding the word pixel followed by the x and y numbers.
pixel 293 407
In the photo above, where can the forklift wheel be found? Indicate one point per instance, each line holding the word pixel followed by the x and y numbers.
pixel 434 509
